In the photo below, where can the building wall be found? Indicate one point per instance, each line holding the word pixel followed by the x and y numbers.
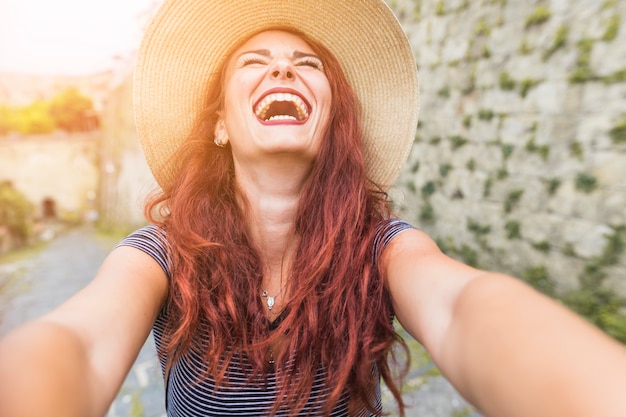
pixel 519 161
pixel 62 168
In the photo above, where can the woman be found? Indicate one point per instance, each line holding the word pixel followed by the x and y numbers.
pixel 272 270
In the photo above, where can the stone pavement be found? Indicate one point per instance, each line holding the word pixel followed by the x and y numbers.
pixel 44 279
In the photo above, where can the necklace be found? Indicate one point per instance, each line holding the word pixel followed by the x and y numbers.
pixel 271 300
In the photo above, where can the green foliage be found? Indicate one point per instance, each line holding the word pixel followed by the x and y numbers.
pixel 435 140
pixel 485 114
pixel 560 38
pixel 506 82
pixel 618 133
pixel 540 15
pixel 525 48
pixel 537 276
pixel 507 150
pixel 585 182
pixel 427 213
pixel 576 150
pixel 552 185
pixel 487 187
pixel 467 121
pixel 544 246
pixel 512 199
pixel 440 8
pixel 477 228
pixel 502 173
pixel 582 72
pixel 612 28
pixel 429 189
pixel 568 250
pixel 444 92
pixel 526 84
pixel 542 150
pixel 482 28
pixel 72 110
pixel 15 211
pixel 457 141
pixel 616 77
pixel 513 229
pixel 444 169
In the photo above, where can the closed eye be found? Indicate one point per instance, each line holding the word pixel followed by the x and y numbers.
pixel 311 61
pixel 247 60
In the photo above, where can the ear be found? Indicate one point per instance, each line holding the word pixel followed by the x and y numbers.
pixel 221 135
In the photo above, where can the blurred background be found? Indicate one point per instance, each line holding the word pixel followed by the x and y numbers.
pixel 519 162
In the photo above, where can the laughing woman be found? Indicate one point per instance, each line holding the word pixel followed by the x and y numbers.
pixel 272 267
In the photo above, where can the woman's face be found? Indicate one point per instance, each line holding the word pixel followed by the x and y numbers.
pixel 277 99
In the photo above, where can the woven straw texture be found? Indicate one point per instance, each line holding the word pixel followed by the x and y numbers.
pixel 187 42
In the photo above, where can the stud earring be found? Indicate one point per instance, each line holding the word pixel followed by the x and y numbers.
pixel 220 141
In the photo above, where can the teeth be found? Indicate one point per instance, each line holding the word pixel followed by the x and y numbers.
pixel 264 105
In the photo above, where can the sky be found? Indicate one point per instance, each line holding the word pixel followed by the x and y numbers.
pixel 69 37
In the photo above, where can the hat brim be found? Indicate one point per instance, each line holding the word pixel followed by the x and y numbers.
pixel 187 42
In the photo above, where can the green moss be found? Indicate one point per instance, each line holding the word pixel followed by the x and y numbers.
pixel 513 229
pixel 541 150
pixel 526 85
pixel 512 199
pixel 582 72
pixel 525 48
pixel 552 185
pixel 477 228
pixel 544 246
pixel 540 15
pixel 569 250
pixel 618 132
pixel 537 276
pixel 440 8
pixel 502 173
pixel 427 213
pixel 616 77
pixel 507 150
pixel 506 82
pixel 487 187
pixel 612 28
pixel 415 167
pixel 471 165
pixel 457 141
pixel 435 140
pixel 482 28
pixel 467 121
pixel 559 41
pixel 444 92
pixel 485 114
pixel 595 301
pixel 486 53
pixel 585 182
pixel 410 185
pixel 576 150
pixel 429 189
pixel 444 169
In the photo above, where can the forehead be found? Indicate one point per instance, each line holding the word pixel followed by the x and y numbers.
pixel 274 40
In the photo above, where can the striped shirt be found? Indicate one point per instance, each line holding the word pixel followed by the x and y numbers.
pixel 186 397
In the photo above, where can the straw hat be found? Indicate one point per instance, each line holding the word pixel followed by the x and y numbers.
pixel 187 42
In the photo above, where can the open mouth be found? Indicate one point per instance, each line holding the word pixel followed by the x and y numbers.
pixel 282 106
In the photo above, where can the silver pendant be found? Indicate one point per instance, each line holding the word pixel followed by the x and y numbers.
pixel 270 299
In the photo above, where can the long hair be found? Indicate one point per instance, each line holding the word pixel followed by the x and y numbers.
pixel 338 313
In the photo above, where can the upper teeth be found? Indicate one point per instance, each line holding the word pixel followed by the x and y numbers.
pixel 264 105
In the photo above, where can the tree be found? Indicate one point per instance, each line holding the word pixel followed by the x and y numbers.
pixel 73 112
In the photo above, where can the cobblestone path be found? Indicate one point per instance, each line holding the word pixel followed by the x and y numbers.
pixel 43 280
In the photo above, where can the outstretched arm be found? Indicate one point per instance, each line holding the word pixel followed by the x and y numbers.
pixel 508 349
pixel 72 361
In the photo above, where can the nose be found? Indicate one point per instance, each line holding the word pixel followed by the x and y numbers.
pixel 283 69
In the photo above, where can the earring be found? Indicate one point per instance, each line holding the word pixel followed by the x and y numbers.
pixel 221 140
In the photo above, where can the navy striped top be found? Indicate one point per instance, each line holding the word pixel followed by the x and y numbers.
pixel 186 397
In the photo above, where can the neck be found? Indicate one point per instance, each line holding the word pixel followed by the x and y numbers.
pixel 272 194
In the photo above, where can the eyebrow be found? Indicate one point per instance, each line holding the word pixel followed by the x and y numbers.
pixel 267 53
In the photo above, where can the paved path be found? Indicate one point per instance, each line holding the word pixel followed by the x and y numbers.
pixel 45 279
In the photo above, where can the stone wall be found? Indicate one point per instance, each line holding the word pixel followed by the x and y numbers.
pixel 58 170
pixel 125 179
pixel 519 162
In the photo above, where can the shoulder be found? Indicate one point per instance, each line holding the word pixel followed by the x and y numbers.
pixel 151 240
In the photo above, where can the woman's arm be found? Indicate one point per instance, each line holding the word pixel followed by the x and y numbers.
pixel 508 349
pixel 72 361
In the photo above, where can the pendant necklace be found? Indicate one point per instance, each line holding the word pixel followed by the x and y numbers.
pixel 271 300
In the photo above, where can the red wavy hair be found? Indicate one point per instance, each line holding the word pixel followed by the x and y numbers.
pixel 217 273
